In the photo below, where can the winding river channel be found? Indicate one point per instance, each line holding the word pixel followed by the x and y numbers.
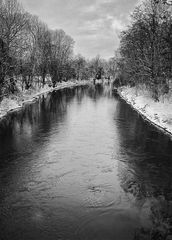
pixel 80 164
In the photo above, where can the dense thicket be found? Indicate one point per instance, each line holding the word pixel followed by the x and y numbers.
pixel 146 48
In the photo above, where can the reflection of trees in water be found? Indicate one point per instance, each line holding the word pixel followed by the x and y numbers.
pixel 98 90
pixel 24 126
pixel 146 173
pixel 95 91
pixel 79 93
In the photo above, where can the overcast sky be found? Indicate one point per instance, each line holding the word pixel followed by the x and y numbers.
pixel 93 24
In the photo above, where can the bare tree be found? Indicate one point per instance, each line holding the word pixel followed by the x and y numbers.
pixel 80 67
pixel 13 20
pixel 61 53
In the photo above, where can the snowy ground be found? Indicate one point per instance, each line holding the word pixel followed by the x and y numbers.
pixel 15 102
pixel 158 113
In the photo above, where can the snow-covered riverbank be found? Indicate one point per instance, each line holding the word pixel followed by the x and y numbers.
pixel 158 113
pixel 15 102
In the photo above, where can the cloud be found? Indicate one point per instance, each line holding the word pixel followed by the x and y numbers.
pixel 94 24
pixel 95 5
pixel 117 25
pixel 89 9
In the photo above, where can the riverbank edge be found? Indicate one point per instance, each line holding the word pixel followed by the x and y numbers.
pixel 37 95
pixel 144 116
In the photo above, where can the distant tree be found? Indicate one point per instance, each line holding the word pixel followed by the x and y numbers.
pixel 42 49
pixel 112 67
pixel 96 67
pixel 61 54
pixel 80 67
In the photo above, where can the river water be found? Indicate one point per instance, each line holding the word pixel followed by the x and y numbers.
pixel 81 164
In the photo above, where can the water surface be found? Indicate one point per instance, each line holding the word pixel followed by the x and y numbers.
pixel 81 164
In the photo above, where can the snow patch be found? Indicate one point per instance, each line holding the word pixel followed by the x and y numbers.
pixel 159 113
pixel 15 102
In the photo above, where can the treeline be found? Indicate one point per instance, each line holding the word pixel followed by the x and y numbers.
pixel 31 53
pixel 95 68
pixel 29 48
pixel 145 53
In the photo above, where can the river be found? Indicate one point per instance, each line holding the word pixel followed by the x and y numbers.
pixel 80 164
